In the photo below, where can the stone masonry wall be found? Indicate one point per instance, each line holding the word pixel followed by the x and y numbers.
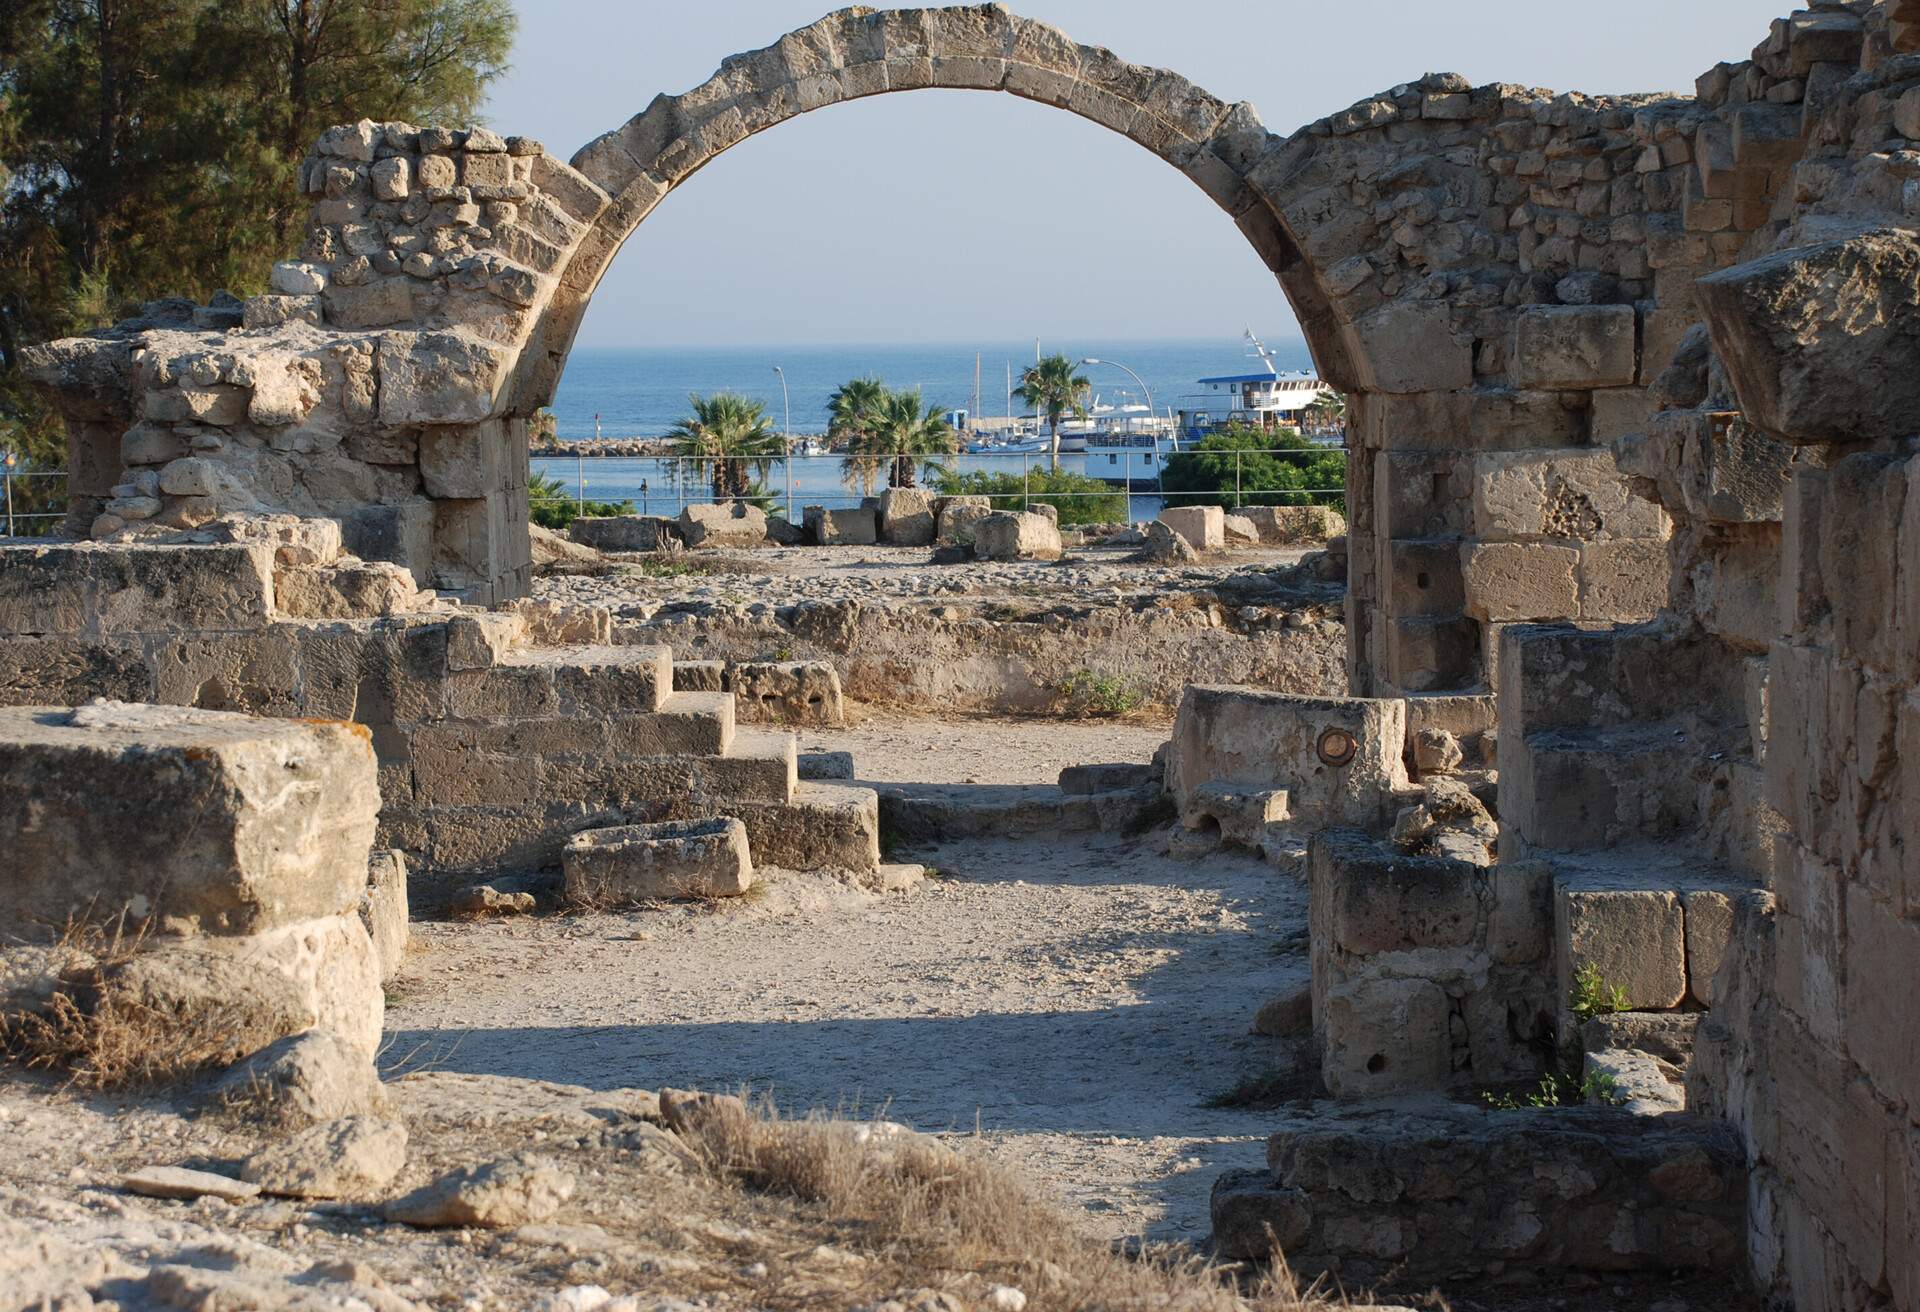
pixel 1478 266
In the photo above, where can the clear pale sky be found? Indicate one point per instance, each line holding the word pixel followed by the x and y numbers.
pixel 944 216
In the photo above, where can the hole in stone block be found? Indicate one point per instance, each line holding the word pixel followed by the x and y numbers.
pixel 1423 579
pixel 1336 746
pixel 1376 1063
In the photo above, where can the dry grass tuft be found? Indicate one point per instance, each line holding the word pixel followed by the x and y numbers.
pixel 930 1210
pixel 106 1035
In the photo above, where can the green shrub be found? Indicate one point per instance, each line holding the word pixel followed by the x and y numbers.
pixel 1243 467
pixel 1558 1090
pixel 1079 498
pixel 550 505
pixel 1088 695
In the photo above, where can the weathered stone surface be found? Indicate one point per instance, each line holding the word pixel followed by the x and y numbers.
pixel 1013 535
pixel 1165 547
pixel 854 528
pixel 731 524
pixel 93 590
pixel 624 532
pixel 1288 525
pixel 1435 1190
pixel 1508 581
pixel 1203 527
pixel 383 910
pixel 439 378
pixel 1635 939
pixel 958 515
pixel 1337 760
pixel 681 858
pixel 514 1192
pixel 1818 340
pixel 304 1079
pixel 787 692
pixel 1575 346
pixel 192 821
pixel 906 517
pixel 356 1157
pixel 185 1183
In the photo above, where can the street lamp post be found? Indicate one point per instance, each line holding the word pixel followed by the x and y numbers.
pixel 1129 373
pixel 786 436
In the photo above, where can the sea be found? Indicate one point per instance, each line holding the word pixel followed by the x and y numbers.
pixel 628 392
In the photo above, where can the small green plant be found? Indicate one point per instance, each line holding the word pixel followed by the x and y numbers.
pixel 1558 1090
pixel 1593 996
pixel 1086 694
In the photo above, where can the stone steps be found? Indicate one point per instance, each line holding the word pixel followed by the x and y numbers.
pixel 559 681
pixel 821 826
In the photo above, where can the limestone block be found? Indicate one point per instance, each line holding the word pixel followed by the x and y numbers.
pixel 906 517
pixel 1425 653
pixel 1618 411
pixel 1636 939
pixel 345 590
pixel 682 858
pixel 195 821
pixel 384 912
pixel 1436 751
pixel 1013 535
pixel 1241 531
pixel 1339 760
pixel 787 692
pixel 831 528
pixel 699 676
pixel 1520 922
pixel 1818 341
pixel 729 524
pixel 481 640
pixel 374 304
pixel 1204 527
pixel 1385 1036
pixel 1370 899
pixel 1287 525
pixel 1507 581
pixel 1425 578
pixel 823 826
pixel 1709 924
pixel 1623 580
pixel 305 975
pixel 624 532
pixel 1565 346
pixel 958 517
pixel 1411 346
pixel 96 589
pixel 1580 495
pixel 463 461
pixel 439 378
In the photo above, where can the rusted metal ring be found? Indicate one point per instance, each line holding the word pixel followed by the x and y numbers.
pixel 1336 746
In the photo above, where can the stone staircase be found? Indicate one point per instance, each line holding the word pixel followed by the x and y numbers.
pixel 1627 755
pixel 539 742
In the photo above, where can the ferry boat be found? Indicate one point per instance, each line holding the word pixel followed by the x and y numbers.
pixel 1267 400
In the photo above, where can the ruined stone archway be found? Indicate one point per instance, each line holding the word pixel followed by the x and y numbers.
pixel 857 53
pixel 1477 267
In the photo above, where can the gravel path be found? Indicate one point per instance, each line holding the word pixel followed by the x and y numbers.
pixel 1077 998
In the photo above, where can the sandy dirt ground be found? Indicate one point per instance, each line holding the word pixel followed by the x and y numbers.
pixel 1077 998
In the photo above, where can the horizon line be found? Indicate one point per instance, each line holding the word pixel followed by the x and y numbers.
pixel 1294 337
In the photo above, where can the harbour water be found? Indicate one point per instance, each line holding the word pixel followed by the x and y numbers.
pixel 642 391
pixel 623 392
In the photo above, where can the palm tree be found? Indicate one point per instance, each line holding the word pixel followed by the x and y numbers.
pixel 725 436
pixel 1328 411
pixel 850 413
pixel 905 427
pixel 1052 388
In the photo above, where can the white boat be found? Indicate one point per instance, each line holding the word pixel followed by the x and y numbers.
pixel 1267 400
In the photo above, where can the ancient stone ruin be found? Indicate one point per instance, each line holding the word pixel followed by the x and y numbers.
pixel 1631 621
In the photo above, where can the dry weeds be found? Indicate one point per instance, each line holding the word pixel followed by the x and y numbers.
pixel 935 1215
pixel 104 1035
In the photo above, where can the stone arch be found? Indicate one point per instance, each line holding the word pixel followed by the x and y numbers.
pixel 859 52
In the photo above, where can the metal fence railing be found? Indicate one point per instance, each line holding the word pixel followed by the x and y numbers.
pixel 667 484
pixel 30 508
